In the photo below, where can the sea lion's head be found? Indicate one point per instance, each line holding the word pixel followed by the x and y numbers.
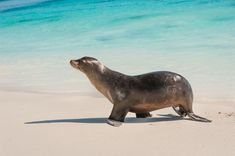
pixel 87 65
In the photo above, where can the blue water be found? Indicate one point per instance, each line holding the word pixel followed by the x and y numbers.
pixel 194 38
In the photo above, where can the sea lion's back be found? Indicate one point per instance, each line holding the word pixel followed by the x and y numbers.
pixel 158 80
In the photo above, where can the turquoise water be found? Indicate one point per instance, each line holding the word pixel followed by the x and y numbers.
pixel 193 38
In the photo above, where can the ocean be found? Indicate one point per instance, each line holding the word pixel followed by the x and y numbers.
pixel 193 38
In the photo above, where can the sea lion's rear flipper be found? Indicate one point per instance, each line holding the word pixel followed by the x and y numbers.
pixel 198 118
pixel 180 111
pixel 143 115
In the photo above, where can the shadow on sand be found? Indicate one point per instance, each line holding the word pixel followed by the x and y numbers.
pixel 161 118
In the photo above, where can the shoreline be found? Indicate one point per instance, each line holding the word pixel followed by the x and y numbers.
pixel 95 93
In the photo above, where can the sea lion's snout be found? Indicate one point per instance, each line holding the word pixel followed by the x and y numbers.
pixel 74 63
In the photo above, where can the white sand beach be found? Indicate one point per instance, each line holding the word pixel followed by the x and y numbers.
pixel 34 124
pixel 47 108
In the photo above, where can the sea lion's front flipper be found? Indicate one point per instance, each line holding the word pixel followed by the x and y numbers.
pixel 118 115
pixel 114 123
pixel 143 115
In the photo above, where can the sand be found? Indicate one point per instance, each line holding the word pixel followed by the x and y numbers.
pixel 37 124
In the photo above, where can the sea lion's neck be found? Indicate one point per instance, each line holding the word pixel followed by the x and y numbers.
pixel 99 78
pixel 103 80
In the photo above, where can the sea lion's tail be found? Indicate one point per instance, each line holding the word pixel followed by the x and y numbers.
pixel 198 118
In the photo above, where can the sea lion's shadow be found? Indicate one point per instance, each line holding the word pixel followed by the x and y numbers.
pixel 159 118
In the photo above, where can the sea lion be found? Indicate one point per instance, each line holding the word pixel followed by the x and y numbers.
pixel 139 94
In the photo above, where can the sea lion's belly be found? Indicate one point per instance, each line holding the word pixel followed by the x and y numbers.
pixel 150 101
pixel 140 108
pixel 148 107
